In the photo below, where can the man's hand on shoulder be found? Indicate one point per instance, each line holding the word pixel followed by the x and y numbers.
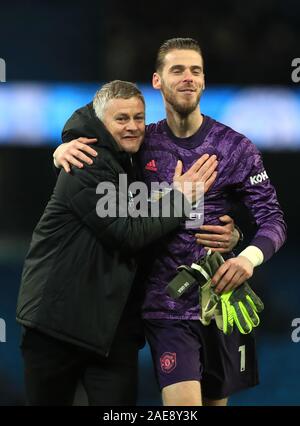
pixel 74 153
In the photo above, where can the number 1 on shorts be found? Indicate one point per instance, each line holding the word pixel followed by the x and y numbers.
pixel 242 349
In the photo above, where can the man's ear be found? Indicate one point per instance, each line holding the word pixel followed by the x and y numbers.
pixel 156 81
pixel 203 88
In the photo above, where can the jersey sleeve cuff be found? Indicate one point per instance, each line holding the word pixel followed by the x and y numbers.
pixel 265 245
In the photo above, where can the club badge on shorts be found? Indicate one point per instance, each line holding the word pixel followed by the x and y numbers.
pixel 168 362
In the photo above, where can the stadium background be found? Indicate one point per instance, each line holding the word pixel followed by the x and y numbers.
pixel 58 52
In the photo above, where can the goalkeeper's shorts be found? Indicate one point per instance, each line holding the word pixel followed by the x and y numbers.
pixel 186 350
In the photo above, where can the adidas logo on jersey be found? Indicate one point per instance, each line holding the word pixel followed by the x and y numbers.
pixel 151 166
pixel 259 178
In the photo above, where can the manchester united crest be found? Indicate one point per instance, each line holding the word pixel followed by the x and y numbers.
pixel 168 362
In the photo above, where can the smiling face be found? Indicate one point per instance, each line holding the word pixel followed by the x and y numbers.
pixel 181 80
pixel 125 120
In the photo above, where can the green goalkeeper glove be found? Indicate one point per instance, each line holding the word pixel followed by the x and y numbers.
pixel 208 299
pixel 239 306
pixel 200 274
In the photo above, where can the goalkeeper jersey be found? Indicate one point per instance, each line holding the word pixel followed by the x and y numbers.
pixel 241 175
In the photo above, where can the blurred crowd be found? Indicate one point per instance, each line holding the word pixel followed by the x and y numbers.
pixel 243 42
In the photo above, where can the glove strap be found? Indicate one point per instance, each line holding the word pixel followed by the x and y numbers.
pixel 201 270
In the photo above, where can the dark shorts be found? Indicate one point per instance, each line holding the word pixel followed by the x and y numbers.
pixel 185 350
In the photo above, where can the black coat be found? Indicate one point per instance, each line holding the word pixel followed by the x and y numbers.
pixel 80 268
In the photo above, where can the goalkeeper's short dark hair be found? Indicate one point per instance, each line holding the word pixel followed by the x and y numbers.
pixel 175 44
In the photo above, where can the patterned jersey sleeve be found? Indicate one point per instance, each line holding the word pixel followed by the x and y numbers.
pixel 259 196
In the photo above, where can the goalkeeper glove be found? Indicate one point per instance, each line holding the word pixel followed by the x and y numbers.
pixel 208 299
pixel 199 273
pixel 240 306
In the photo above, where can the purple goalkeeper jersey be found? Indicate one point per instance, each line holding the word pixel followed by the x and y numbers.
pixel 240 171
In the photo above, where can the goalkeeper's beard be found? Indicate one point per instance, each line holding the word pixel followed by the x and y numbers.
pixel 182 108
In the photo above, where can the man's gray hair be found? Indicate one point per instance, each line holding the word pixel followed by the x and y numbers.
pixel 116 89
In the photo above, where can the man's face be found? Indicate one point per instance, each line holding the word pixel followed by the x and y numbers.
pixel 181 80
pixel 125 120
